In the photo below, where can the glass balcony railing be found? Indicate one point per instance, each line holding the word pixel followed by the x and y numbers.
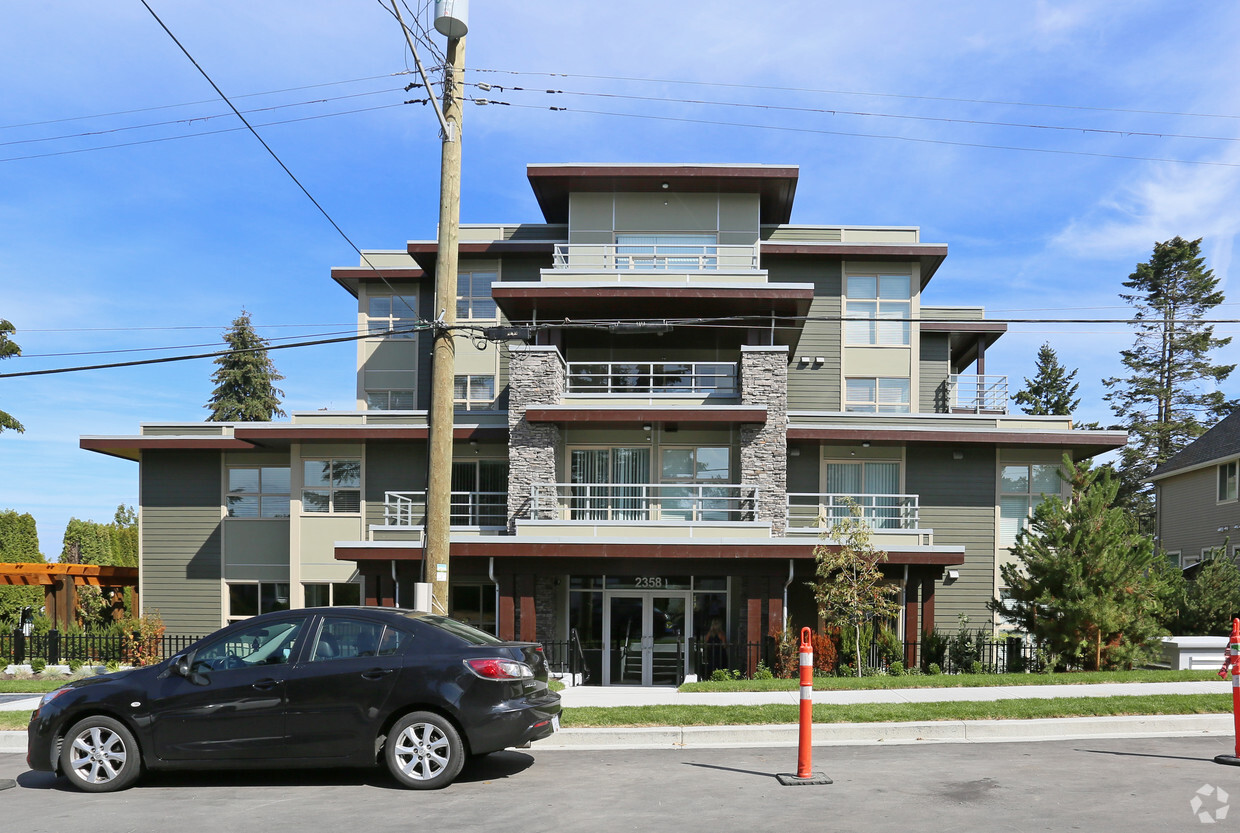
pixel 667 378
pixel 687 502
pixel 408 509
pixel 812 511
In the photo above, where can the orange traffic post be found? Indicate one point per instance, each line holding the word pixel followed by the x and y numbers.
pixel 1231 664
pixel 805 747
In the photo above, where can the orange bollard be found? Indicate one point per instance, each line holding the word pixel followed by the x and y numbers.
pixel 1231 664
pixel 805 746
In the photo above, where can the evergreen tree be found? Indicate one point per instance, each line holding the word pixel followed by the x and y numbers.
pixel 19 544
pixel 1169 396
pixel 849 586
pixel 113 545
pixel 8 349
pixel 245 381
pixel 1051 391
pixel 1206 604
pixel 1085 582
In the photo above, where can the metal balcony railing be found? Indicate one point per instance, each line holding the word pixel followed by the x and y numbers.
pixel 689 502
pixel 655 257
pixel 468 509
pixel 811 511
pixel 978 393
pixel 665 378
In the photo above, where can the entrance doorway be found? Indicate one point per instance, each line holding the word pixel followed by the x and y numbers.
pixel 646 638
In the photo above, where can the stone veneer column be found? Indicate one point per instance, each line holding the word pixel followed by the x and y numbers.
pixel 536 376
pixel 764 448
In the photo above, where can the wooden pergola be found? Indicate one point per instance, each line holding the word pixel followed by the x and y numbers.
pixel 60 583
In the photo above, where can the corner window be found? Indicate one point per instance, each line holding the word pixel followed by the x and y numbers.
pixel 868 395
pixel 389 400
pixel 392 316
pixel 332 595
pixel 258 492
pixel 471 393
pixel 332 487
pixel 877 309
pixel 247 599
pixel 1022 487
pixel 1227 481
pixel 473 296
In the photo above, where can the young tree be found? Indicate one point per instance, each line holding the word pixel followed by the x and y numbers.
pixel 849 586
pixel 1085 582
pixel 1051 391
pixel 245 381
pixel 8 349
pixel 1169 396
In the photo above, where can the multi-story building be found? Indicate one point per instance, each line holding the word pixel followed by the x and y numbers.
pixel 691 386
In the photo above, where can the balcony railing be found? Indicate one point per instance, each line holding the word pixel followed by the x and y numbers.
pixel 978 393
pixel 811 511
pixel 468 509
pixel 655 257
pixel 689 502
pixel 665 378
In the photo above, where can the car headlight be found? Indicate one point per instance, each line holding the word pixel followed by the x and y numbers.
pixel 499 669
pixel 52 695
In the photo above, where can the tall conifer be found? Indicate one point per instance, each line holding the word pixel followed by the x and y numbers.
pixel 245 388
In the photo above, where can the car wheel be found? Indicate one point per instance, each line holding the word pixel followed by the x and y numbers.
pixel 100 755
pixel 424 751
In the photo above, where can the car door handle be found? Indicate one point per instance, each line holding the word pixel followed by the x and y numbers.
pixel 266 685
pixel 377 673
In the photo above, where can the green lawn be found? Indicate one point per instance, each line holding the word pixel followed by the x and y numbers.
pixel 957 680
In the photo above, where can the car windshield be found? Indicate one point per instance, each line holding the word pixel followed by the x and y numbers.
pixel 467 632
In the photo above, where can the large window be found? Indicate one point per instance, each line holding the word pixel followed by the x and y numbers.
pixel 877 309
pixel 1227 481
pixel 332 487
pixel 334 594
pixel 387 313
pixel 251 598
pixel 258 492
pixel 608 483
pixel 865 485
pixel 1022 487
pixel 472 393
pixel 666 251
pixel 480 493
pixel 473 296
pixel 870 395
pixel 474 604
pixel 702 465
pixel 390 400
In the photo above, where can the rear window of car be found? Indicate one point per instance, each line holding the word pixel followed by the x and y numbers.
pixel 459 629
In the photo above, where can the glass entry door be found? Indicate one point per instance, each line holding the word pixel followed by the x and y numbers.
pixel 646 640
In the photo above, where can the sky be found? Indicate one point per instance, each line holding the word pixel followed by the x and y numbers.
pixel 1048 144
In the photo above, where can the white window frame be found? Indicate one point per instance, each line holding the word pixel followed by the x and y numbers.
pixel 863 316
pixel 389 393
pixel 379 325
pixel 877 405
pixel 331 488
pixel 1178 561
pixel 470 402
pixel 469 298
pixel 264 495
pixel 1228 481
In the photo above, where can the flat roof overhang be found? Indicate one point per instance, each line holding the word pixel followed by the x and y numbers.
pixel 929 255
pixel 965 337
pixel 501 547
pixel 775 185
pixel 131 448
pixel 350 277
pixel 602 416
pixel 1082 443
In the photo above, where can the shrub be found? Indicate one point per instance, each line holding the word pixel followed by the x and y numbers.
pixel 845 670
pixel 38 665
pixel 788 654
pixel 141 640
pixel 762 672
pixel 933 649
pixel 934 668
pixel 723 675
pixel 75 665
pixel 976 667
pixel 895 669
pixel 113 665
pixel 890 646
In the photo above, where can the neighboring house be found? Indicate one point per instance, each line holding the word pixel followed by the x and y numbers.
pixel 714 383
pixel 1195 496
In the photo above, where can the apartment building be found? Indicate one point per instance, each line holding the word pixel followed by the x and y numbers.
pixel 664 389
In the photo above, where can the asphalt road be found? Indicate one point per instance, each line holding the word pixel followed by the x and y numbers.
pixel 1097 785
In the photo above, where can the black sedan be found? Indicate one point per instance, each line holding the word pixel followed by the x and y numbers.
pixel 312 687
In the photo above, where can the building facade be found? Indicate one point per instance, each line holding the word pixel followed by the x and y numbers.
pixel 1196 496
pixel 664 391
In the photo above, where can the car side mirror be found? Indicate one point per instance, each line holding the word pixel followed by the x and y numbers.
pixel 183 666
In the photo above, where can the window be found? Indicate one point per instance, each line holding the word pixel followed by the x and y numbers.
pixel 258 492
pixel 473 296
pixel 877 309
pixel 332 486
pixel 247 599
pixel 1227 481
pixel 866 485
pixel 1174 558
pixel 474 604
pixel 392 312
pixel 390 400
pixel 333 595
pixel 697 465
pixel 273 643
pixel 342 638
pixel 868 395
pixel 1022 487
pixel 666 251
pixel 471 393
pixel 480 493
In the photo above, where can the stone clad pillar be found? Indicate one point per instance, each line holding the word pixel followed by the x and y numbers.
pixel 764 447
pixel 537 375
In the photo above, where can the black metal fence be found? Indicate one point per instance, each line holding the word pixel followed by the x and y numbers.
pixel 567 657
pixel 56 648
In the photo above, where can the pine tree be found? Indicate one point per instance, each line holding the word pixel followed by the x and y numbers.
pixel 849 587
pixel 1051 391
pixel 1085 582
pixel 244 383
pixel 1170 396
pixel 8 349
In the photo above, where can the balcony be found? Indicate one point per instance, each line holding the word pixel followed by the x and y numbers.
pixel 977 394
pixel 675 257
pixel 652 378
pixel 677 503
pixel 469 509
pixel 810 512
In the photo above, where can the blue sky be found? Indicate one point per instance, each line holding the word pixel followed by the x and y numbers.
pixel 161 244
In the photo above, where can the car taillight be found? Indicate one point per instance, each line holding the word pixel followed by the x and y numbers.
pixel 499 669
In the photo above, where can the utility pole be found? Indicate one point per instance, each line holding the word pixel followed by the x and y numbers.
pixel 443 354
